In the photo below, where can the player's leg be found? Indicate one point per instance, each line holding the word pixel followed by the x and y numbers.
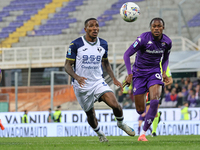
pixel 110 99
pixel 139 92
pixel 157 117
pixel 155 92
pixel 148 104
pixel 147 109
pixel 140 120
pixel 139 126
pixel 92 120
pixel 155 124
pixel 140 103
pixel 86 100
pixel 140 108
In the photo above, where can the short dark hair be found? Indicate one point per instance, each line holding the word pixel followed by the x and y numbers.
pixel 59 106
pixel 50 109
pixel 157 19
pixel 86 21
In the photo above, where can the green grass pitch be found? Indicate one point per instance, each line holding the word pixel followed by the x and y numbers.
pixel 182 142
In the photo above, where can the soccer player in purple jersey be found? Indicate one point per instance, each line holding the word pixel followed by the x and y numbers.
pixel 151 48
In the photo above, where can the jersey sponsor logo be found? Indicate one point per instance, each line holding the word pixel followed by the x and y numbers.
pixel 149 42
pixel 90 67
pixel 69 51
pixel 154 51
pixel 91 59
pixel 135 44
pixel 158 75
pixel 84 49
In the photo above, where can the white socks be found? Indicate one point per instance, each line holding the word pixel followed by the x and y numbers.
pixel 120 120
pixel 143 132
pixel 98 130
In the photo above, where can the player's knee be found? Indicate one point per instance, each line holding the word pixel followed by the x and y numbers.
pixel 90 113
pixel 156 96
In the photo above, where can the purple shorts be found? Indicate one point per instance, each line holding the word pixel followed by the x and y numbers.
pixel 141 84
pixel 141 118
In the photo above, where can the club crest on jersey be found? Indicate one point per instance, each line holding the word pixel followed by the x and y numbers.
pixel 99 49
pixel 69 51
pixel 163 43
pixel 134 89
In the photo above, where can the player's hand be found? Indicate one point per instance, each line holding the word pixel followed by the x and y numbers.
pixel 117 83
pixel 128 80
pixel 81 81
pixel 165 78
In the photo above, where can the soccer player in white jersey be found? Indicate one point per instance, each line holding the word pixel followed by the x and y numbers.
pixel 87 54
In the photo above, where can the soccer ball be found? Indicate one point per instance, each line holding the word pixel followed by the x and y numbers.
pixel 130 11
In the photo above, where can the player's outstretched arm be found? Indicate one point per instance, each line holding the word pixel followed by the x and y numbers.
pixel 70 71
pixel 107 67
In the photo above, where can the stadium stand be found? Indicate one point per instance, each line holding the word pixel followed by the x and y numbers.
pixel 69 17
pixel 195 21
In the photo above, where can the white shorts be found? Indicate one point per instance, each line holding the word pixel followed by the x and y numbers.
pixel 87 98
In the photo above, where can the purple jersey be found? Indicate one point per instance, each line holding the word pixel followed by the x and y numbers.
pixel 149 54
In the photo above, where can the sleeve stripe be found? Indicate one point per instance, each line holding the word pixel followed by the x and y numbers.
pixel 70 59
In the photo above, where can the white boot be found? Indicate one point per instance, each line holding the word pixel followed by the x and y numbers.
pixel 130 131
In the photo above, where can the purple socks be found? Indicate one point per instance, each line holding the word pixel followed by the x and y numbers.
pixel 138 130
pixel 151 114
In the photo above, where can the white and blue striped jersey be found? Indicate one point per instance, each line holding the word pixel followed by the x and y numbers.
pixel 88 58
